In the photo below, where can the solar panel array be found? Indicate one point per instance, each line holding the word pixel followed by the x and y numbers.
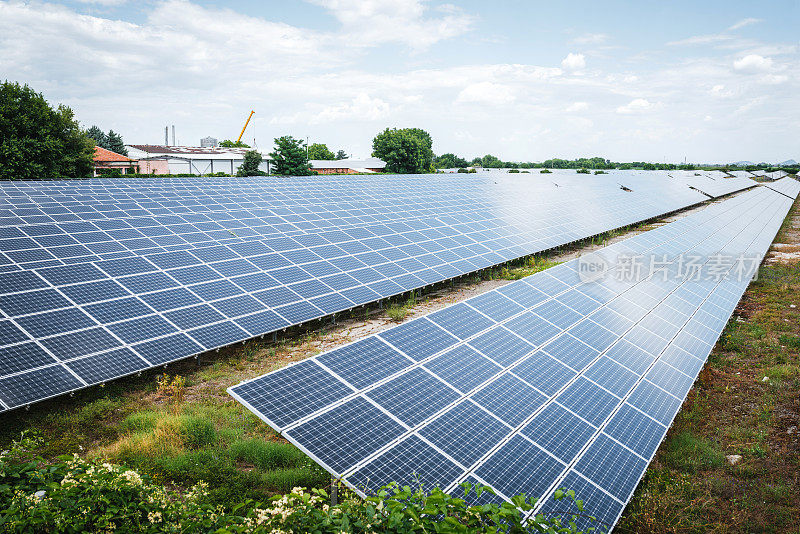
pixel 786 186
pixel 104 278
pixel 712 183
pixel 552 381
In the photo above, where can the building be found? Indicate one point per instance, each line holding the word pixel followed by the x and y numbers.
pixel 106 160
pixel 207 142
pixel 347 166
pixel 161 159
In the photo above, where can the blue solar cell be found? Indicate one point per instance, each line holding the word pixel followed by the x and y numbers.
pixel 277 296
pixel 465 432
pixel 148 282
pixel 339 440
pixel 611 466
pixel 262 322
pixel 360 295
pixel 631 356
pixel 170 299
pixel 55 322
pixel 194 316
pixel 216 290
pixel 502 346
pixel 80 343
pixel 635 430
pixel 519 466
pixel 588 401
pixel 16 358
pixel 559 431
pixel 238 306
pixel 122 267
pixel 218 335
pixel 596 504
pixel 571 351
pixel 20 281
pixel 655 402
pixel 142 328
pixel 299 312
pixel 495 305
pixel 10 334
pixel 612 376
pixel 365 362
pixel 39 384
pixel 413 396
pixel 32 302
pixel 419 339
pixel 168 349
pixel 94 291
pixel 118 310
pixel 532 328
pixel 169 260
pixel 461 320
pixel 510 399
pixel 463 368
pixel 194 275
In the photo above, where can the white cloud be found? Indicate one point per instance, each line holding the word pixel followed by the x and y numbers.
pixel 719 91
pixel 574 62
pixel 701 40
pixel 591 39
pixel 744 22
pixel 753 63
pixel 487 93
pixel 371 22
pixel 637 105
pixel 361 108
pixel 577 106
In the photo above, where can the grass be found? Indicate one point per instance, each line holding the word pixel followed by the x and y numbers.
pixel 690 487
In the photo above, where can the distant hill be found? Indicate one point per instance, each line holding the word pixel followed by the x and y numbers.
pixel 787 163
pixel 743 163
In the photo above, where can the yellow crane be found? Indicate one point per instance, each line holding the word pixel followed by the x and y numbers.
pixel 245 126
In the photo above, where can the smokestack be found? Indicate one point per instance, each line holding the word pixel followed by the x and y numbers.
pixel 166 135
pixel 173 136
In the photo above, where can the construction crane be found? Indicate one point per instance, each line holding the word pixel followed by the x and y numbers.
pixel 245 126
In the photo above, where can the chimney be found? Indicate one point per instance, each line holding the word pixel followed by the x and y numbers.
pixel 166 135
pixel 173 136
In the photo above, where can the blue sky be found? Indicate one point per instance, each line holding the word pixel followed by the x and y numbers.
pixel 655 81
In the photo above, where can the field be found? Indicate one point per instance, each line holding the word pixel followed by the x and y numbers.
pixel 180 426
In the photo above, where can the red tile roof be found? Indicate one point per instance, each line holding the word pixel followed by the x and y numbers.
pixel 101 154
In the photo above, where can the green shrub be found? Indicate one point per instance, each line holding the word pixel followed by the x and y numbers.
pixel 73 495
pixel 546 171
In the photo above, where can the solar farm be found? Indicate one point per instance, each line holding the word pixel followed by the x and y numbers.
pixel 568 378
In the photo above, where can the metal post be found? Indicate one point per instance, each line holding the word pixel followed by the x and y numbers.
pixel 334 491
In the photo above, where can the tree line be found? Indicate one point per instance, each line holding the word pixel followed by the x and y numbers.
pixel 39 141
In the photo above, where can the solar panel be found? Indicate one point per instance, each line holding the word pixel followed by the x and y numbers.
pixel 167 268
pixel 587 405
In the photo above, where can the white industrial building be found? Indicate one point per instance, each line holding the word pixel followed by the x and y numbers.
pixel 161 159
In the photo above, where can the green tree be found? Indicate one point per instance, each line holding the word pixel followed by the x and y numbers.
pixel 319 151
pixel 249 166
pixel 99 136
pixel 116 144
pixel 289 157
pixel 227 143
pixel 449 161
pixel 37 141
pixel 488 161
pixel 341 155
pixel 405 150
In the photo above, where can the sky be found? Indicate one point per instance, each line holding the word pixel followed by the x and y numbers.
pixel 704 82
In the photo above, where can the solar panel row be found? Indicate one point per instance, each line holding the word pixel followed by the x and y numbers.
pixel 107 278
pixel 551 381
